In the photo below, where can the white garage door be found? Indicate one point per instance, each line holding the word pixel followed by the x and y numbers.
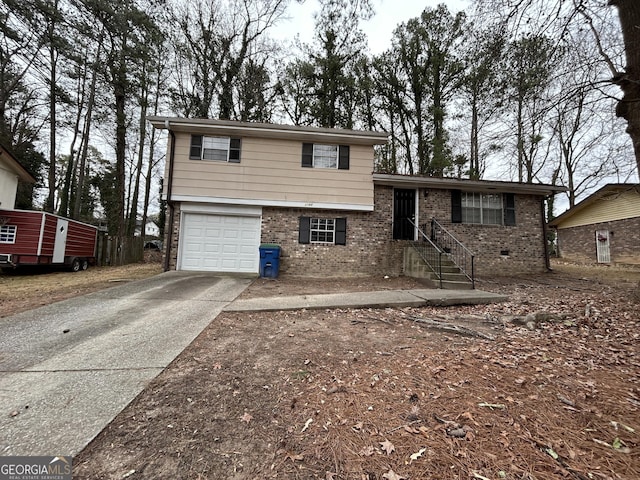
pixel 220 243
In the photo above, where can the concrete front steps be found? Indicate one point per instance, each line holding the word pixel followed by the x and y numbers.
pixel 452 278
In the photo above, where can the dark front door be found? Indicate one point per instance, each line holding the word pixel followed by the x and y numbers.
pixel 404 209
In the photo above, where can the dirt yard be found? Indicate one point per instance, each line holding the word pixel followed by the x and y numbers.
pixel 378 394
pixel 26 290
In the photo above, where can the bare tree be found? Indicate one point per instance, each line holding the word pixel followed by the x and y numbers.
pixel 482 89
pixel 629 80
pixel 214 40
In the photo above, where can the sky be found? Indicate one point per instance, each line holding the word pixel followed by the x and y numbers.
pixel 388 14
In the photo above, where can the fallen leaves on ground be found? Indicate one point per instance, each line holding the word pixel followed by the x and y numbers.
pixel 390 398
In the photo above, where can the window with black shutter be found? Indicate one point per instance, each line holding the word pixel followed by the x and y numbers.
pixel 317 155
pixel 323 230
pixel 509 209
pixel 456 206
pixel 304 232
pixel 483 208
pixel 307 155
pixel 195 152
pixel 222 149
pixel 341 231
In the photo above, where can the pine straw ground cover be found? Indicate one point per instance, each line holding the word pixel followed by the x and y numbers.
pixel 373 394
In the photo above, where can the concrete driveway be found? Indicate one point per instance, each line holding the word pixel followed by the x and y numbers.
pixel 67 369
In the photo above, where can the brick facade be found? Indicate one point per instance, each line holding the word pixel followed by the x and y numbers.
pixel 524 241
pixel 175 234
pixel 579 243
pixel 371 250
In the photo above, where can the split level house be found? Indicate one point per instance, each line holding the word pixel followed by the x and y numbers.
pixel 232 186
pixel 603 228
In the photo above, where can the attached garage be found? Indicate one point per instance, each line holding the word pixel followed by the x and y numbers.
pixel 219 242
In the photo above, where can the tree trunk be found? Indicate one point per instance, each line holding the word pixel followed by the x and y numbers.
pixel 629 81
pixel 51 179
pixel 136 189
pixel 520 139
pixel 80 186
pixel 120 95
pixel 152 141
pixel 474 157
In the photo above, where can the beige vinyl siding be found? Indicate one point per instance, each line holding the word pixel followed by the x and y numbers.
pixel 270 170
pixel 614 206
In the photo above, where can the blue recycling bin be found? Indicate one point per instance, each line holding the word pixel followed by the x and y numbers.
pixel 269 260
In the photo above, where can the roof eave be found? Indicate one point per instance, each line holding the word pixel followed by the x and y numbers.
pixel 22 173
pixel 269 130
pixel 486 186
pixel 594 197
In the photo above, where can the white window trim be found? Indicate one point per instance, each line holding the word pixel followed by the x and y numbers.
pixel 317 230
pixel 10 232
pixel 482 208
pixel 227 140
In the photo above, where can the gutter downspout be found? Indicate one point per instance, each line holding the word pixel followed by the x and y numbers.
pixel 168 234
pixel 547 261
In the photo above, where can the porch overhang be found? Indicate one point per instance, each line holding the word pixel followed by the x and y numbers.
pixel 483 186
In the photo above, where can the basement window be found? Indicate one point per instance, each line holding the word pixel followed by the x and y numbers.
pixel 8 233
pixel 332 231
pixel 323 230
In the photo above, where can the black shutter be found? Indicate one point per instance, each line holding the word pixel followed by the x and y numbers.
pixel 509 209
pixel 343 157
pixel 234 150
pixel 307 154
pixel 195 152
pixel 341 231
pixel 456 206
pixel 304 234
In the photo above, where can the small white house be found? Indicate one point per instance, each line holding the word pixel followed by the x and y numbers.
pixel 151 229
pixel 10 173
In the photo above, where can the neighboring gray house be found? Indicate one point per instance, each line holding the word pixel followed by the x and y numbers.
pixel 231 186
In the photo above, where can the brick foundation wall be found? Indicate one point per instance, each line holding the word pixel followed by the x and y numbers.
pixel 369 249
pixel 579 244
pixel 175 234
pixel 524 241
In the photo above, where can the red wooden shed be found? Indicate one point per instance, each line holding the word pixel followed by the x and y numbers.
pixel 39 238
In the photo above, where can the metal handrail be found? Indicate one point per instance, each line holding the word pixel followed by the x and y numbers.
pixel 460 255
pixel 428 254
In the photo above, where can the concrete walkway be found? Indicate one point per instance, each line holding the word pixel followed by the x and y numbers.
pixel 380 299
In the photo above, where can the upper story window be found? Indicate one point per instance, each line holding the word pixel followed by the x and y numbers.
pixel 483 208
pixel 222 149
pixel 8 233
pixel 317 155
